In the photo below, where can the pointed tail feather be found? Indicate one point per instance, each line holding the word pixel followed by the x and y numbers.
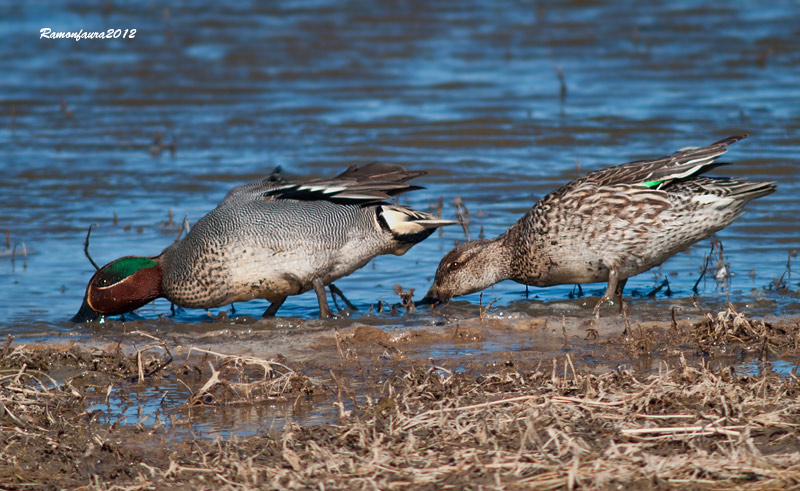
pixel 436 222
pixel 752 190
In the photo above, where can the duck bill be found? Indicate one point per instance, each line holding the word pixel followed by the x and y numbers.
pixel 432 298
pixel 85 314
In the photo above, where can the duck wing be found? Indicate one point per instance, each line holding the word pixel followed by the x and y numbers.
pixel 359 184
pixel 658 173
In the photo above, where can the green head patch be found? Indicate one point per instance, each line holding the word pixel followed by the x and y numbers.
pixel 122 268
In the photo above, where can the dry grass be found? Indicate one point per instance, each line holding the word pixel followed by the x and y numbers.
pixel 558 428
pixel 555 425
pixel 30 399
pixel 728 327
pixel 247 380
pixel 552 428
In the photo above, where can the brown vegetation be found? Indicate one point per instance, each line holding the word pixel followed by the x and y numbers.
pixel 552 424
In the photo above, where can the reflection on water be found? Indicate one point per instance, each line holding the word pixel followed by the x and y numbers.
pixel 467 91
pixel 165 407
pixel 783 367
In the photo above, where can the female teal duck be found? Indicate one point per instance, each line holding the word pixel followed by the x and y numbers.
pixel 270 239
pixel 608 225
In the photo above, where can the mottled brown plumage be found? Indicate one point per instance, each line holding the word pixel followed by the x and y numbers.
pixel 606 226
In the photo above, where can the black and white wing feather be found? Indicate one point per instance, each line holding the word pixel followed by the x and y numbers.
pixel 363 184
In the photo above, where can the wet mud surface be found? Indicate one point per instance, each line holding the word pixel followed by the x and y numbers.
pixel 707 399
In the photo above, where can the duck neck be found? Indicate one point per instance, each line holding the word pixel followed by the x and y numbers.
pixel 494 256
pixel 151 280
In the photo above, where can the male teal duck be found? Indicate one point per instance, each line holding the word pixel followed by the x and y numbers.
pixel 271 238
pixel 606 226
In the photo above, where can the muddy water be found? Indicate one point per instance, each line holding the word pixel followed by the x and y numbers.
pixel 468 91
pixel 348 369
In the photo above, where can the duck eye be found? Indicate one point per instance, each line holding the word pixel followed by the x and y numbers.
pixel 102 282
pixel 454 265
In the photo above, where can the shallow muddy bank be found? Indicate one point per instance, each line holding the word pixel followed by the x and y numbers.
pixel 711 400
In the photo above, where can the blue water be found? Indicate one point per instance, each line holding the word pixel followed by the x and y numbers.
pixel 465 90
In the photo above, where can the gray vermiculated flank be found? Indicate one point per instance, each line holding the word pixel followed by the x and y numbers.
pixel 270 238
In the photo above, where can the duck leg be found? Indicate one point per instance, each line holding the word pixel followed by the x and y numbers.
pixel 324 308
pixel 273 308
pixel 618 294
pixel 336 291
pixel 614 290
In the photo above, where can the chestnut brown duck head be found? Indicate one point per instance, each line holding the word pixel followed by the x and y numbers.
pixel 121 286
